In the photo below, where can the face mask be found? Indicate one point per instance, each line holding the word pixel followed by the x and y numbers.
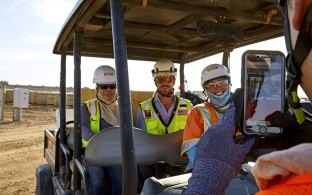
pixel 100 97
pixel 220 101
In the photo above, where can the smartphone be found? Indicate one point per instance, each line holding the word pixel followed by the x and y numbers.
pixel 263 83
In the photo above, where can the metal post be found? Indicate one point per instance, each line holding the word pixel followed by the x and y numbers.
pixel 77 101
pixel 3 85
pixel 226 58
pixel 17 114
pixel 182 76
pixel 129 167
pixel 59 159
pixel 2 103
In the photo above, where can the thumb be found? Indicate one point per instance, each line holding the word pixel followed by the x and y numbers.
pixel 248 143
pixel 237 99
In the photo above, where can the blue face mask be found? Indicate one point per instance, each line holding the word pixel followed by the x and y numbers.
pixel 220 101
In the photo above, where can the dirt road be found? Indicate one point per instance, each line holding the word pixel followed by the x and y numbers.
pixel 21 148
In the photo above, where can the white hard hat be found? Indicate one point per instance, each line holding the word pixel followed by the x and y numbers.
pixel 164 67
pixel 213 71
pixel 104 75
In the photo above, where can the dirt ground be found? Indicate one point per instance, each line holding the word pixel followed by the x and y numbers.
pixel 21 148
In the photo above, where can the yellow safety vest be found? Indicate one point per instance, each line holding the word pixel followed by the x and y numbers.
pixel 155 125
pixel 95 118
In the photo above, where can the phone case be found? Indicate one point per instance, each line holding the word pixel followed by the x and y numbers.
pixel 263 83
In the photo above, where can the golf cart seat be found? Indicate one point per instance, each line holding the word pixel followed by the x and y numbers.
pixel 170 185
pixel 242 183
pixel 104 149
pixel 70 137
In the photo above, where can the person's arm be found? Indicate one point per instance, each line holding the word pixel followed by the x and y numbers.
pixel 193 130
pixel 86 133
pixel 191 155
pixel 140 121
pixel 218 158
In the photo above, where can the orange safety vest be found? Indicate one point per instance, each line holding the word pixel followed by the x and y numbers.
pixel 202 116
pixel 301 184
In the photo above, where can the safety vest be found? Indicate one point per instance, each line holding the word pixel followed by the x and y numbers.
pixel 155 124
pixel 95 118
pixel 301 184
pixel 208 115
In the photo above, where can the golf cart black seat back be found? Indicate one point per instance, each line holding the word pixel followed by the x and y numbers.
pixel 242 183
pixel 104 149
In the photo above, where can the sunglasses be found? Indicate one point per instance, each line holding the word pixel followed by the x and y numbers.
pixel 215 85
pixel 165 78
pixel 112 86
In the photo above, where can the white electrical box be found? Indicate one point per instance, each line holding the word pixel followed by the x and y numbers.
pixel 21 98
pixel 69 116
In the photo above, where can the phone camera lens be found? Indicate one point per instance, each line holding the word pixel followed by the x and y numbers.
pixel 262 129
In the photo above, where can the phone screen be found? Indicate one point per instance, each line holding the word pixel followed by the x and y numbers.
pixel 264 90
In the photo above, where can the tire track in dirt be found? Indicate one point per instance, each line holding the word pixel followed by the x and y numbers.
pixel 21 148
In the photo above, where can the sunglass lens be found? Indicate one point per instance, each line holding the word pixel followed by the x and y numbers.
pixel 107 86
pixel 162 79
pixel 112 86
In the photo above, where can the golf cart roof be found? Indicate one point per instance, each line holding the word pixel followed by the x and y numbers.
pixel 185 30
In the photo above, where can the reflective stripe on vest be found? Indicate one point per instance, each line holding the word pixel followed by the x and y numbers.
pixel 209 116
pixel 95 118
pixel 155 126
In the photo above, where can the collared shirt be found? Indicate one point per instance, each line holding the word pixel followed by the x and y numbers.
pixel 164 114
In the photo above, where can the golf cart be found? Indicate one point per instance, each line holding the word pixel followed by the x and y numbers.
pixel 183 31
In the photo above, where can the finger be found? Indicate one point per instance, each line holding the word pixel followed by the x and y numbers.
pixel 224 128
pixel 229 119
pixel 248 143
pixel 226 122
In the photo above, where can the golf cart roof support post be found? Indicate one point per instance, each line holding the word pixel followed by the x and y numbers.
pixel 129 166
pixel 226 59
pixel 77 100
pixel 182 76
pixel 59 159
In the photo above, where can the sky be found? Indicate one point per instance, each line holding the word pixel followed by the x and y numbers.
pixel 30 29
